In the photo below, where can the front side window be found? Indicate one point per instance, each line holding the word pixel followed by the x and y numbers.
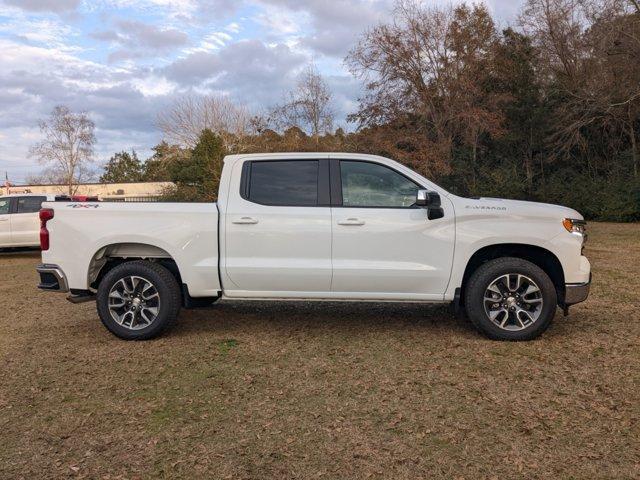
pixel 284 183
pixel 4 206
pixel 372 185
pixel 29 204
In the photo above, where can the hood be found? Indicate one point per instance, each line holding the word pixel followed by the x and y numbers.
pixel 498 206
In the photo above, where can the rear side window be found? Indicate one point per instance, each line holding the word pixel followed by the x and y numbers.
pixel 4 206
pixel 29 204
pixel 284 183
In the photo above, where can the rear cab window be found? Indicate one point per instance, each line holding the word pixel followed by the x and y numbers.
pixel 286 183
pixel 29 204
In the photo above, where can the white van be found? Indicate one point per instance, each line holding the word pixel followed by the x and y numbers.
pixel 19 221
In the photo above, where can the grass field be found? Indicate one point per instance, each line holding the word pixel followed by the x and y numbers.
pixel 261 390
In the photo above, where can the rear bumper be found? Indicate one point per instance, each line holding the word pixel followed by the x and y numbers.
pixel 576 292
pixel 52 278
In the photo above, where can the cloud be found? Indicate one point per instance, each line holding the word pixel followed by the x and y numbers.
pixel 122 102
pixel 56 6
pixel 150 36
pixel 136 39
pixel 195 12
pixel 333 25
pixel 250 71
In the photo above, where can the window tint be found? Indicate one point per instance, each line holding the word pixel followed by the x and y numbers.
pixel 372 185
pixel 29 204
pixel 4 206
pixel 292 183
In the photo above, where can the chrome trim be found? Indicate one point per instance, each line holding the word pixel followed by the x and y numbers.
pixel 56 271
pixel 422 198
pixel 576 292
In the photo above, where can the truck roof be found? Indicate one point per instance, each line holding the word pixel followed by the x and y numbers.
pixel 302 155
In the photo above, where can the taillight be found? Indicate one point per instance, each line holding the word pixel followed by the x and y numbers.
pixel 46 214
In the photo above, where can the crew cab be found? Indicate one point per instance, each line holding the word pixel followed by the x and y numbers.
pixel 19 223
pixel 318 226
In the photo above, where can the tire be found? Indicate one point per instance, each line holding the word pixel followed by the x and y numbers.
pixel 156 307
pixel 505 289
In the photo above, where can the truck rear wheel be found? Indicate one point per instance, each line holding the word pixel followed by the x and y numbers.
pixel 510 299
pixel 138 300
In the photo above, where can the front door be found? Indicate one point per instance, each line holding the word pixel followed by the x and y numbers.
pixel 278 230
pixel 25 222
pixel 5 222
pixel 383 245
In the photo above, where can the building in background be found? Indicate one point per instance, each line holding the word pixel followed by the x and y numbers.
pixel 135 191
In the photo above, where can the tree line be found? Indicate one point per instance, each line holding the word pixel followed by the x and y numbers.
pixel 547 110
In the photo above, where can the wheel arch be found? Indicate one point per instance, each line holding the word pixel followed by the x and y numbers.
pixel 537 255
pixel 109 256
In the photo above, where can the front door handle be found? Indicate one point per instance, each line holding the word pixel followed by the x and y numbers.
pixel 245 221
pixel 351 221
pixel 4 219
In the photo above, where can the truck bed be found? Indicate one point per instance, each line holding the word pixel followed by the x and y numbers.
pixel 81 233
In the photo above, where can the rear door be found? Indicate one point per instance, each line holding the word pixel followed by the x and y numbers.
pixel 25 223
pixel 278 229
pixel 5 222
pixel 383 245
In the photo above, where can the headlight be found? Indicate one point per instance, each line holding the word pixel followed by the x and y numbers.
pixel 578 227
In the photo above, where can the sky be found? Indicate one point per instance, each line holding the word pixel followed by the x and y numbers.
pixel 123 61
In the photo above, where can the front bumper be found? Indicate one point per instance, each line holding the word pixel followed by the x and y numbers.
pixel 52 278
pixel 576 292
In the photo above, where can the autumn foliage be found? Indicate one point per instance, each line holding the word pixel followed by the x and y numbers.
pixel 548 110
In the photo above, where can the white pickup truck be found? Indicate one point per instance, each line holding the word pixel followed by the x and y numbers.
pixel 19 223
pixel 318 226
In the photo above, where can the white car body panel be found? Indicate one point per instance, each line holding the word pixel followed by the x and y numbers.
pixel 187 232
pixel 486 221
pixel 287 250
pixel 5 230
pixel 277 252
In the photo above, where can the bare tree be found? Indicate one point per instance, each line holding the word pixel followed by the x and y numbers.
pixel 185 120
pixel 67 149
pixel 589 51
pixel 308 106
pixel 429 64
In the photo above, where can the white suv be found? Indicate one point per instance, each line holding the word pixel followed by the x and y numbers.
pixel 19 222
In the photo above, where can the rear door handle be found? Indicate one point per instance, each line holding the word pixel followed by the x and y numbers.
pixel 351 221
pixel 245 221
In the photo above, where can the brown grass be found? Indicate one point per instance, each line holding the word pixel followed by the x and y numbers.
pixel 261 390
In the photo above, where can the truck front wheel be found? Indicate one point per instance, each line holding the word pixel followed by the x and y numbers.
pixel 510 299
pixel 138 300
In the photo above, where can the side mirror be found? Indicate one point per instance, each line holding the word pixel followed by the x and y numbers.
pixel 430 201
pixel 427 199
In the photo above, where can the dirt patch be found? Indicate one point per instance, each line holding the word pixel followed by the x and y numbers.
pixel 290 390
